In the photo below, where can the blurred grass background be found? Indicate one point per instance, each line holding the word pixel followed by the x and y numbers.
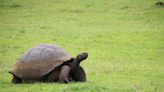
pixel 124 39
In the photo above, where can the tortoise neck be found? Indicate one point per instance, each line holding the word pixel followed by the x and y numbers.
pixel 75 63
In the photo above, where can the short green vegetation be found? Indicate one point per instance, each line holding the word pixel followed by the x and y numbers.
pixel 124 39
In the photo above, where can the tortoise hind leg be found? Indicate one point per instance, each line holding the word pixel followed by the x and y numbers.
pixel 53 75
pixel 16 79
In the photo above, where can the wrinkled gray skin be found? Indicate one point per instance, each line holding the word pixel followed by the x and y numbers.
pixel 65 73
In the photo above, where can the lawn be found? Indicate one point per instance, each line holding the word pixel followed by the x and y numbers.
pixel 124 39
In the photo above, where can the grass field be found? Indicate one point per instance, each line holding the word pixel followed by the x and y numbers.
pixel 124 39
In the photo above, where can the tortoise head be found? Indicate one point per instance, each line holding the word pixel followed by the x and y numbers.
pixel 73 62
pixel 82 56
pixel 78 59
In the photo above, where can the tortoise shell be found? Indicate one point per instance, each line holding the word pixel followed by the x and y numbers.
pixel 39 61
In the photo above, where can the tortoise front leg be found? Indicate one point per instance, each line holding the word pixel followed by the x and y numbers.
pixel 64 74
pixel 78 74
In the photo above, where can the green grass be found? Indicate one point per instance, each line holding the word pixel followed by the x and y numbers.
pixel 124 39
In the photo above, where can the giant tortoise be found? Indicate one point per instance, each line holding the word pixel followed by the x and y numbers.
pixel 48 63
